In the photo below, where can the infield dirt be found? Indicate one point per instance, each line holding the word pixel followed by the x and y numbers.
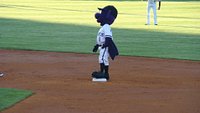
pixel 61 83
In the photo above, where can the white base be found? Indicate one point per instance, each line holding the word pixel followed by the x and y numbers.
pixel 1 74
pixel 99 80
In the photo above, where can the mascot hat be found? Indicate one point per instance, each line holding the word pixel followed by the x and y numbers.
pixel 107 16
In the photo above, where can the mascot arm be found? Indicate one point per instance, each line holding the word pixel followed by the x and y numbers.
pixel 107 42
pixel 112 49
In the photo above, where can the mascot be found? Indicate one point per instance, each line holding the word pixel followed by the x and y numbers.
pixel 104 41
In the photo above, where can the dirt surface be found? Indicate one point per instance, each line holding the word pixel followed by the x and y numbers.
pixel 61 83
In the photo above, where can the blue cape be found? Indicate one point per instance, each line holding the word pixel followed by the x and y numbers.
pixel 112 48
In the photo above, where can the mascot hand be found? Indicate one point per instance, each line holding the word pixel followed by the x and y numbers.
pixel 95 48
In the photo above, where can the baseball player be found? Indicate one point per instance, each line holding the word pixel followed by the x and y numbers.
pixel 152 4
pixel 104 41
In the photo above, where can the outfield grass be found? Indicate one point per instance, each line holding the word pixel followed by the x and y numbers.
pixel 9 97
pixel 69 26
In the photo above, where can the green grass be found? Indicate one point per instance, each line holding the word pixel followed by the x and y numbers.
pixel 69 26
pixel 9 97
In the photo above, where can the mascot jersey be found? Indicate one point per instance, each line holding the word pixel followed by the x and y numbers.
pixel 105 31
pixel 104 36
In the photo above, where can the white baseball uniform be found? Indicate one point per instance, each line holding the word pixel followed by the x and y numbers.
pixel 104 31
pixel 151 4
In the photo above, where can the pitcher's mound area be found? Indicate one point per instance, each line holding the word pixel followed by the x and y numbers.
pixel 62 83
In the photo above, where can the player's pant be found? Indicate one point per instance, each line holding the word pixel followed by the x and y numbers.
pixel 103 56
pixel 153 6
pixel 104 61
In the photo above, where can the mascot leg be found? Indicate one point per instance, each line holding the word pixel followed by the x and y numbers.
pixel 101 67
pixel 106 72
pixel 103 73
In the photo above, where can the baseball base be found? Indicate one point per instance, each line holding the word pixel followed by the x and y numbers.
pixel 99 79
pixel 1 74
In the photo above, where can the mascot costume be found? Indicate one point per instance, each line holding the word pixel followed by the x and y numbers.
pixel 104 41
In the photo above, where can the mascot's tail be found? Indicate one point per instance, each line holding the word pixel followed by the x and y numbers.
pixel 112 48
pixel 113 51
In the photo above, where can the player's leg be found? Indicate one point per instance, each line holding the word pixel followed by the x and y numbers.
pixel 101 62
pixel 102 67
pixel 155 14
pixel 107 72
pixel 104 61
pixel 148 14
pixel 100 74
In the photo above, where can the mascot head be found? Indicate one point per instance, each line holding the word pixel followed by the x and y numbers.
pixel 107 16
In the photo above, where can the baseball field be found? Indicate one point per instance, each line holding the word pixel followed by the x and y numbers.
pixel 46 58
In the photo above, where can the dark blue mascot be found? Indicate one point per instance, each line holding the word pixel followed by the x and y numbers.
pixel 104 41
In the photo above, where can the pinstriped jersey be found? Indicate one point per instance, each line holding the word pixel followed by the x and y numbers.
pixel 104 31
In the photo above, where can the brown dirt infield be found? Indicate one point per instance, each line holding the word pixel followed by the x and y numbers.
pixel 61 84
